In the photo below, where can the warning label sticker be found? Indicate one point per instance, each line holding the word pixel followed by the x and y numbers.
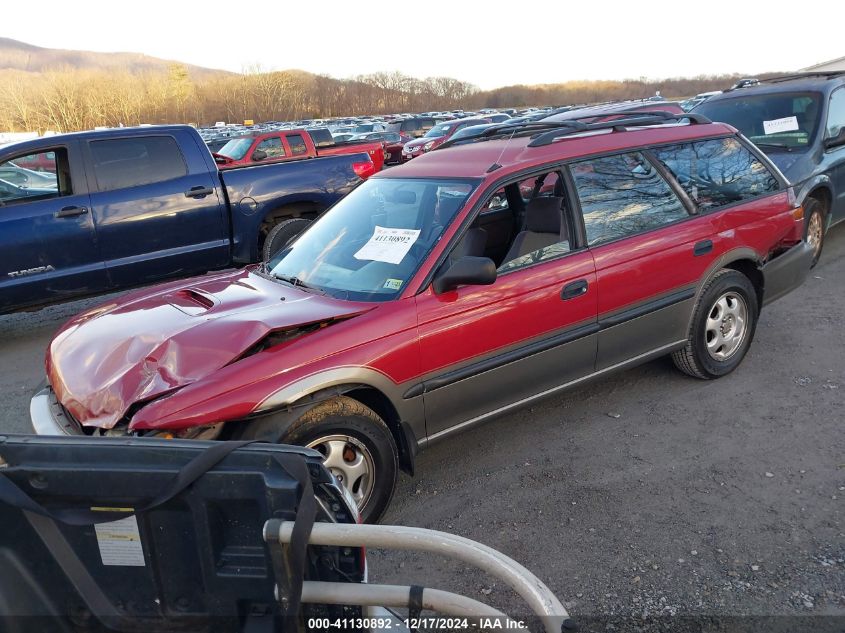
pixel 120 541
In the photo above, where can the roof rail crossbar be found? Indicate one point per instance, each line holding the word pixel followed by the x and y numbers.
pixel 505 129
pixel 635 119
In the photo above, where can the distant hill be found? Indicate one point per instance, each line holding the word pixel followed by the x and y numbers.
pixel 15 55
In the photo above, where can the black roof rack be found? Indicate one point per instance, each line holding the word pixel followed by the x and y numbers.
pixel 747 83
pixel 548 131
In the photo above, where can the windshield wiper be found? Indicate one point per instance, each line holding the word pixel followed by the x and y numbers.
pixel 775 146
pixel 296 282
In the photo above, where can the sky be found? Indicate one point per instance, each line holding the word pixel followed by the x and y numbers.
pixel 489 43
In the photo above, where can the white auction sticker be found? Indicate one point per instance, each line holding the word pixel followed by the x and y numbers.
pixel 786 124
pixel 388 245
pixel 120 541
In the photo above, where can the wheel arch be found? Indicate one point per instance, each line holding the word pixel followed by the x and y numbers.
pixel 367 386
pixel 308 209
pixel 750 269
pixel 743 260
pixel 821 192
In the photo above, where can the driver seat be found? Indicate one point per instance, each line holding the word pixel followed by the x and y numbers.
pixel 543 227
pixel 472 244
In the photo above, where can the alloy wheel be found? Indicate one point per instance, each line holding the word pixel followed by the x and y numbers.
pixel 726 326
pixel 814 232
pixel 351 462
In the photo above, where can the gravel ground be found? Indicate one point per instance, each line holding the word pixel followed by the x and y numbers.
pixel 645 494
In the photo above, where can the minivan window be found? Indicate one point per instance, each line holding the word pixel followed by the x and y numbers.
pixel 836 113
pixel 780 121
pixel 131 162
pixel 623 195
pixel 717 172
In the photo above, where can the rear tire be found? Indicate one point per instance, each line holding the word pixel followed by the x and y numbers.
pixel 282 234
pixel 814 225
pixel 722 328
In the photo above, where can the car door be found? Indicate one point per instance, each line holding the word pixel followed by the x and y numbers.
pixel 836 155
pixel 157 206
pixel 485 349
pixel 649 251
pixel 48 240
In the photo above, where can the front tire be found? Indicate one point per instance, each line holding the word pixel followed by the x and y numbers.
pixel 814 227
pixel 722 328
pixel 356 445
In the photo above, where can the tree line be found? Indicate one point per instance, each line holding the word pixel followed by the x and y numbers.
pixel 68 99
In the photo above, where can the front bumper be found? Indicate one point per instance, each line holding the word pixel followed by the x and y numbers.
pixel 786 272
pixel 48 417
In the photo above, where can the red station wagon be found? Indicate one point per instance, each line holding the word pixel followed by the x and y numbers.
pixel 447 291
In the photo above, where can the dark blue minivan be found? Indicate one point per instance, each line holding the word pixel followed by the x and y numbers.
pixel 799 122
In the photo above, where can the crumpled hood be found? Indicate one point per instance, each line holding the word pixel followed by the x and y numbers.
pixel 152 342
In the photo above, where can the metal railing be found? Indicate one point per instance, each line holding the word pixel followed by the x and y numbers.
pixel 536 594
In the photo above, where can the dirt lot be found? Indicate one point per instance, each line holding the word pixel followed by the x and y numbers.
pixel 646 493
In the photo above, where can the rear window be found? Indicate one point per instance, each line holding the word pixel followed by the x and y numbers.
pixel 717 172
pixel 130 162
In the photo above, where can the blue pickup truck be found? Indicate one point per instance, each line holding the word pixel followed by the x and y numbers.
pixel 90 212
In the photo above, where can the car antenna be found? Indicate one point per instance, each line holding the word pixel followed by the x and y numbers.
pixel 496 164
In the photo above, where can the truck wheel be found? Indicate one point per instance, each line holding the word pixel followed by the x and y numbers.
pixel 814 227
pixel 722 327
pixel 356 445
pixel 281 234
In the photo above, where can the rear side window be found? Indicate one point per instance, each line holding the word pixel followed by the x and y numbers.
pixel 623 195
pixel 717 172
pixel 131 162
pixel 297 145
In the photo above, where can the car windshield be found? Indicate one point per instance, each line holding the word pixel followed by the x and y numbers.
pixel 773 121
pixel 439 130
pixel 370 244
pixel 236 148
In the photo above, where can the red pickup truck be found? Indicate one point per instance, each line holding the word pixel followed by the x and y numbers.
pixel 284 145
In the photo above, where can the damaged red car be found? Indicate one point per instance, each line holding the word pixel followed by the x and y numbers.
pixel 447 291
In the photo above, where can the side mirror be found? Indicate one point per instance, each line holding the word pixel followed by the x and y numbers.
pixel 259 155
pixel 835 141
pixel 467 271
